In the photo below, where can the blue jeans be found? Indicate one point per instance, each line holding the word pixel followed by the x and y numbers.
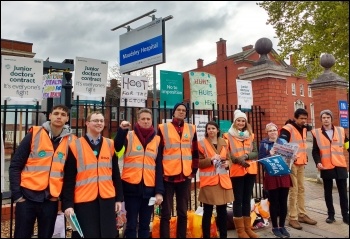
pixel 28 211
pixel 137 210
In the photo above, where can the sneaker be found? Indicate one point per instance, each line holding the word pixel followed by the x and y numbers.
pixel 284 232
pixel 346 219
pixel 330 220
pixel 295 224
pixel 277 232
pixel 307 220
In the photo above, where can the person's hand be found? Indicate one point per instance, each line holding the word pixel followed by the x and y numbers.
pixel 241 161
pixel 124 124
pixel 159 199
pixel 118 207
pixel 216 157
pixel 272 152
pixel 69 211
pixel 320 166
pixel 224 164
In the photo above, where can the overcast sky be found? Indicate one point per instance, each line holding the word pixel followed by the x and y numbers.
pixel 65 30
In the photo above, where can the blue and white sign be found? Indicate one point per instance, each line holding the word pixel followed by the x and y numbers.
pixel 275 165
pixel 343 113
pixel 142 47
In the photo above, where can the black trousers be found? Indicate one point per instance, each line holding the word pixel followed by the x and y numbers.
pixel 181 191
pixel 278 199
pixel 343 196
pixel 242 191
pixel 28 211
pixel 220 219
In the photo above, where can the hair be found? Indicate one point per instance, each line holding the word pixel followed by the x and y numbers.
pixel 215 125
pixel 143 110
pixel 269 125
pixel 63 107
pixel 92 113
pixel 299 112
pixel 247 127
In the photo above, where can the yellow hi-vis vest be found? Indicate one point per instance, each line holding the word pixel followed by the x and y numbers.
pixel 139 162
pixel 332 152
pixel 295 137
pixel 239 148
pixel 94 176
pixel 177 154
pixel 44 166
pixel 211 176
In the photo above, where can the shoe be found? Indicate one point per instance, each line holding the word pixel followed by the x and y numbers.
pixel 307 220
pixel 277 232
pixel 346 219
pixel 330 220
pixel 295 224
pixel 284 232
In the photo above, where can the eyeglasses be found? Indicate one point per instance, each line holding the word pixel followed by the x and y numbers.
pixel 273 130
pixel 97 120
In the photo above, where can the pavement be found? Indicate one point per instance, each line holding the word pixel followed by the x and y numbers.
pixel 317 210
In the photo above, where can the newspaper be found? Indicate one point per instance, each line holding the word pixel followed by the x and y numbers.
pixel 73 222
pixel 288 152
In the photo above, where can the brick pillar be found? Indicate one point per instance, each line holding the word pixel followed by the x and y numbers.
pixel 327 90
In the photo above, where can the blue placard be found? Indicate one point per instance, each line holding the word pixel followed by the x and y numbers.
pixel 275 165
pixel 343 113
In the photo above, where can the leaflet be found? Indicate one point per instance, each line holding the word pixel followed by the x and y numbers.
pixel 73 221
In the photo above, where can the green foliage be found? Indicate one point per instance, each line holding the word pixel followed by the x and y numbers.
pixel 308 29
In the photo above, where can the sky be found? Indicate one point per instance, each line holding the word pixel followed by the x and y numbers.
pixel 66 30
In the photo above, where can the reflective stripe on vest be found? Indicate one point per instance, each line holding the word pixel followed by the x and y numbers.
pixel 239 148
pixel 139 162
pixel 295 137
pixel 332 152
pixel 44 166
pixel 94 176
pixel 210 176
pixel 177 154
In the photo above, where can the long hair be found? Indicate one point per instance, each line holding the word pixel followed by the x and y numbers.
pixel 213 123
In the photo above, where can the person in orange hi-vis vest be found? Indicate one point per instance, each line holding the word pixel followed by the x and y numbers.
pixel 243 154
pixel 215 183
pixel 294 131
pixel 36 174
pixel 180 164
pixel 329 143
pixel 142 173
pixel 92 188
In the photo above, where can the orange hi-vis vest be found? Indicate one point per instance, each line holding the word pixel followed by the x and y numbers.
pixel 140 162
pixel 94 176
pixel 332 152
pixel 44 166
pixel 177 154
pixel 211 176
pixel 295 137
pixel 239 148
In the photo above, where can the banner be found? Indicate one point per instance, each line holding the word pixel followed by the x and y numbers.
pixel 52 85
pixel 203 90
pixel 171 88
pixel 275 165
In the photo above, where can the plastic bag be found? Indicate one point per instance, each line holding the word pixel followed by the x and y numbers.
pixel 190 215
pixel 121 217
pixel 156 227
pixel 173 222
pixel 213 228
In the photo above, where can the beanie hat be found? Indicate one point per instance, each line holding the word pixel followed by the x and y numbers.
pixel 271 125
pixel 177 105
pixel 239 114
pixel 328 112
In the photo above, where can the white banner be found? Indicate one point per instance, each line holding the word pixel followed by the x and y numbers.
pixel 90 80
pixel 134 90
pixel 203 90
pixel 244 94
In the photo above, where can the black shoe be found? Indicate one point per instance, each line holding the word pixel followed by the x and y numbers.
pixel 346 219
pixel 330 220
pixel 277 232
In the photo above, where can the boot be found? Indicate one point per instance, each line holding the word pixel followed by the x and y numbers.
pixel 248 228
pixel 239 225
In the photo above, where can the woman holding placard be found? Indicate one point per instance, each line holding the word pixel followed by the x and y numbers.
pixel 277 186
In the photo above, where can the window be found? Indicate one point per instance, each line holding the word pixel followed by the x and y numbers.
pixel 309 92
pixel 293 89
pixel 302 90
pixel 80 132
pixel 298 104
pixel 114 114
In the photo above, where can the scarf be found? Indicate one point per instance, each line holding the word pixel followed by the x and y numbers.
pixel 240 135
pixel 144 135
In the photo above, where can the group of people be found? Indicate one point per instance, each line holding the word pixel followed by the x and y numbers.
pixel 51 165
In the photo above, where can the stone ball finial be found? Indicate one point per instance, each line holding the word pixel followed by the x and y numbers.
pixel 263 46
pixel 327 61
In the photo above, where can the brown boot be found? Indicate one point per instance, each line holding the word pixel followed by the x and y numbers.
pixel 248 228
pixel 239 225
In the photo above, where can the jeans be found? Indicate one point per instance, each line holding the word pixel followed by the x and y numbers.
pixel 297 193
pixel 343 196
pixel 28 211
pixel 139 212
pixel 242 191
pixel 181 191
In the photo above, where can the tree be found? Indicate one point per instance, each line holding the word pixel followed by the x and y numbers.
pixel 308 29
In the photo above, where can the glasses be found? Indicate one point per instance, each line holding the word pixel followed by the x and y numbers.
pixel 273 130
pixel 97 121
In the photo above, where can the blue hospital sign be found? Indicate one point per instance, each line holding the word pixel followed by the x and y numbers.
pixel 343 113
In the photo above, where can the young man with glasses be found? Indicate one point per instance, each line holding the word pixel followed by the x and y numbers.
pixel 92 186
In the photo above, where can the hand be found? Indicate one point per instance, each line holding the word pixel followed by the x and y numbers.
pixel 272 152
pixel 69 211
pixel 224 164
pixel 320 166
pixel 118 207
pixel 159 199
pixel 241 161
pixel 216 157
pixel 124 124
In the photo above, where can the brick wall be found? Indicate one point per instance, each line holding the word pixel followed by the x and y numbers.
pixel 6 212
